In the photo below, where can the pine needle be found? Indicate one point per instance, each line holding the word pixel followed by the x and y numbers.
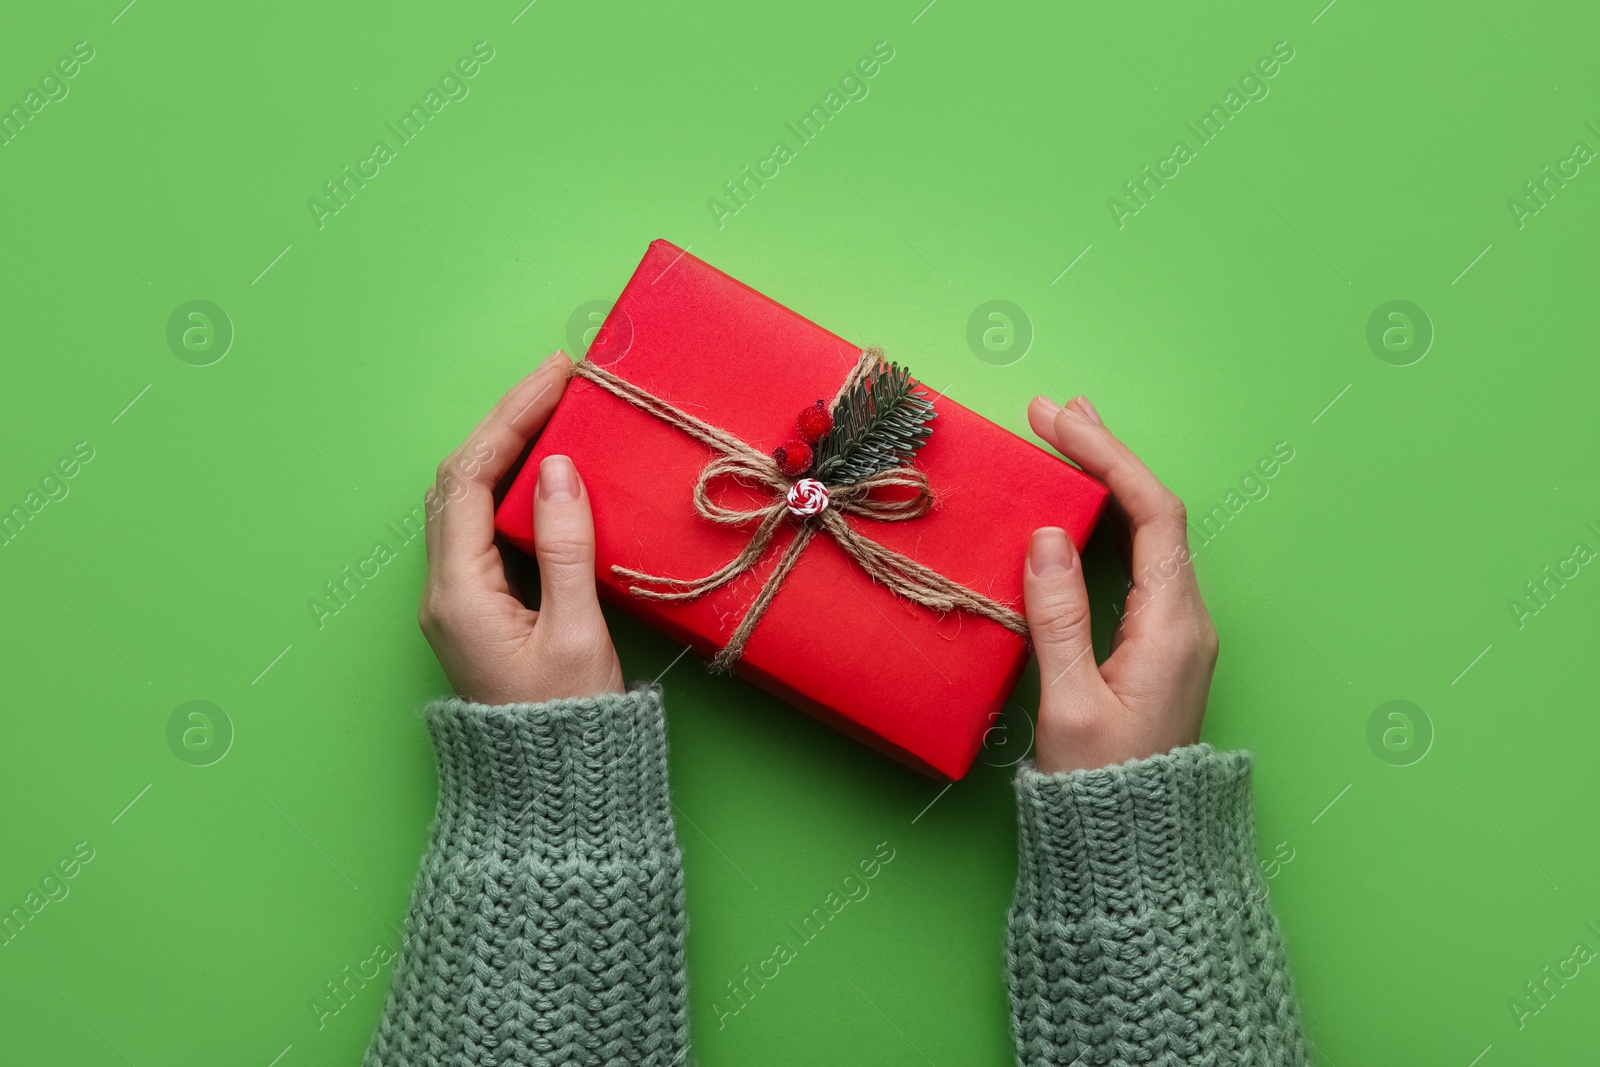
pixel 878 425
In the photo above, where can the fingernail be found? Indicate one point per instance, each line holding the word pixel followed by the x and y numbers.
pixel 1049 405
pixel 551 358
pixel 1050 552
pixel 558 480
pixel 1088 409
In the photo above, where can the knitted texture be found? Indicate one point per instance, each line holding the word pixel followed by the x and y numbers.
pixel 1140 932
pixel 547 922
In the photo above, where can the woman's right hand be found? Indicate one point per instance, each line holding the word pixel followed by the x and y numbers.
pixel 1149 696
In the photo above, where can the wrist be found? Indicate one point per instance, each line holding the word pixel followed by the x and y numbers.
pixel 1063 747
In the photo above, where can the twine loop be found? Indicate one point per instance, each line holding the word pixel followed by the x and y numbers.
pixel 895 495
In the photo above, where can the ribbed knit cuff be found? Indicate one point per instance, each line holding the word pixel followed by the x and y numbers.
pixel 547 922
pixel 566 779
pixel 1148 835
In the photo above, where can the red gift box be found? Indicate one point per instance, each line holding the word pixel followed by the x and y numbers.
pixel 921 686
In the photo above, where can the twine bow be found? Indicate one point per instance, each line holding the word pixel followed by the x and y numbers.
pixel 738 460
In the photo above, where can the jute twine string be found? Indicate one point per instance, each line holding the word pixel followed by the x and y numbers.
pixel 738 460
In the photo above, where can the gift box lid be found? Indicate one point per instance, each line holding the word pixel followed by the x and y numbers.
pixel 920 686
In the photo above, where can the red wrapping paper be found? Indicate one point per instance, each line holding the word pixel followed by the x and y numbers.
pixel 918 686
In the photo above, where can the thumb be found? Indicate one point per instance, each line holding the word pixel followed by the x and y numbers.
pixel 1057 606
pixel 563 542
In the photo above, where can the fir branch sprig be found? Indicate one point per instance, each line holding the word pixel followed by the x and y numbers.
pixel 878 424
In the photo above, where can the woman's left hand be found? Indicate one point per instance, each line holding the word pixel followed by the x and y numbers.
pixel 492 648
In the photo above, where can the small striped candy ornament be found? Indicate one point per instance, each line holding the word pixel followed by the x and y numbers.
pixel 807 497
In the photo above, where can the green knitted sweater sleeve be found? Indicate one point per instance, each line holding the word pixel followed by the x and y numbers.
pixel 1140 931
pixel 547 921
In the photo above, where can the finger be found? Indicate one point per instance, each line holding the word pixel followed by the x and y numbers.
pixel 563 542
pixel 1057 606
pixel 497 440
pixel 1077 432
pixel 1155 515
pixel 1117 636
pixel 461 503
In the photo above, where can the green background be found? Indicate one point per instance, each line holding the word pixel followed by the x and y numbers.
pixel 1228 315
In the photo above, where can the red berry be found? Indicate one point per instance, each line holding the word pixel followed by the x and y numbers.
pixel 794 458
pixel 815 422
